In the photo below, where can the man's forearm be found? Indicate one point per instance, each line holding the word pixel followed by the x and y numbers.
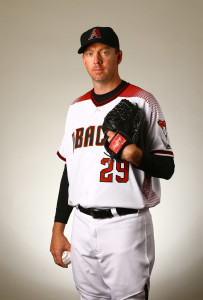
pixel 58 228
pixel 155 165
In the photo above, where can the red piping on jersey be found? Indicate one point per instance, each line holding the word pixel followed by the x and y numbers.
pixel 135 91
pixel 162 152
pixel 89 95
pixel 131 91
pixel 110 99
pixel 60 156
pixel 128 90
pixel 83 98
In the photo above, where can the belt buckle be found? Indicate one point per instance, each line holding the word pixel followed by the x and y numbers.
pixel 100 214
pixel 93 213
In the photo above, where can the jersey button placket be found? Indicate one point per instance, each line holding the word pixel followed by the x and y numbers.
pixel 97 111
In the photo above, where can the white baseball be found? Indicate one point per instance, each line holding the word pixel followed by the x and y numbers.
pixel 66 257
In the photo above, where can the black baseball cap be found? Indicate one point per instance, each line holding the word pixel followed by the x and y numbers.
pixel 103 35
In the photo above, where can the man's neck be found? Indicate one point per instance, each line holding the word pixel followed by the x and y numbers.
pixel 101 88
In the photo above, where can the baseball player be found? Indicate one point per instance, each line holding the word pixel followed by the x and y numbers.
pixel 112 241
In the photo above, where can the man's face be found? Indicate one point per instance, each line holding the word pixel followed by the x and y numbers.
pixel 101 62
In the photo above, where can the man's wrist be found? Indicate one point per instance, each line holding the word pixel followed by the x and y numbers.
pixel 132 154
pixel 136 156
pixel 58 228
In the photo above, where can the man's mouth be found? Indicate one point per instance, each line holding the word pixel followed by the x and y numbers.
pixel 98 70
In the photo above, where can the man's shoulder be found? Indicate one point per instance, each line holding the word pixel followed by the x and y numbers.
pixel 84 97
pixel 136 91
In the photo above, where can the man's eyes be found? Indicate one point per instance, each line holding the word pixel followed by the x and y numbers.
pixel 105 52
pixel 102 53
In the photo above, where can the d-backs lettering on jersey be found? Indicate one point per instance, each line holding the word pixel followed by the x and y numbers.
pixel 86 137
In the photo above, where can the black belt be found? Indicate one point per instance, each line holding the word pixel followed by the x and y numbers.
pixel 106 213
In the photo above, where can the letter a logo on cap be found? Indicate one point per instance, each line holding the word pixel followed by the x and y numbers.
pixel 95 34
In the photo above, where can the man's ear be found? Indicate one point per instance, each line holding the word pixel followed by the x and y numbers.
pixel 120 56
pixel 83 58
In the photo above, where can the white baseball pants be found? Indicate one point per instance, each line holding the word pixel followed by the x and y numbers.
pixel 112 258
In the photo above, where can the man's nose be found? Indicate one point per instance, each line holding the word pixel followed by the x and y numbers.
pixel 97 58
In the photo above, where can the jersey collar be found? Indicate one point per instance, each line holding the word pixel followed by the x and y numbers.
pixel 103 99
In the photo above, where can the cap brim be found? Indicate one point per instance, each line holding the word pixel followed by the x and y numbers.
pixel 81 50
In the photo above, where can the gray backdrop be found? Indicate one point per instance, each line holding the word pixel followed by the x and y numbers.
pixel 41 74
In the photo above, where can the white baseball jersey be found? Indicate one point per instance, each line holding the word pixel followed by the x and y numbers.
pixel 94 179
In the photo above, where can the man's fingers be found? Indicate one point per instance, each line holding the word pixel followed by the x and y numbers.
pixel 57 255
pixel 58 261
pixel 59 244
pixel 110 134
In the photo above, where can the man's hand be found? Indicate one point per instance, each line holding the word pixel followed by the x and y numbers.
pixel 131 153
pixel 59 244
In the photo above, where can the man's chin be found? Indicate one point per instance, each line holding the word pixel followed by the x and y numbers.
pixel 99 79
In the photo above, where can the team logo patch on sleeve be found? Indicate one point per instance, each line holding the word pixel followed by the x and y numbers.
pixel 95 34
pixel 162 124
